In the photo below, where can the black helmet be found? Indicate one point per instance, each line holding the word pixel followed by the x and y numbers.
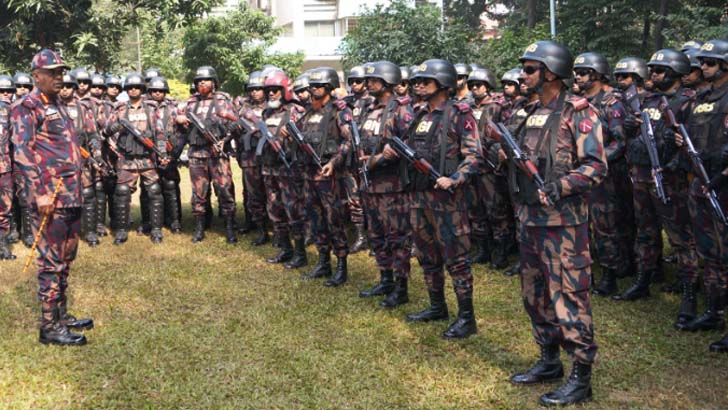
pixel 691 45
pixel 151 73
pixel 632 65
pixel 134 79
pixel 385 71
pixel 205 73
pixel 692 55
pixel 670 58
pixel 269 69
pixel 113 81
pixel 556 57
pixel 717 49
pixel 474 66
pixel 301 83
pixel 255 80
pixel 356 72
pixel 98 80
pixel 324 75
pixel 483 74
pixel 463 69
pixel 405 72
pixel 23 79
pixel 68 79
pixel 7 83
pixel 441 71
pixel 158 83
pixel 513 75
pixel 596 62
pixel 80 74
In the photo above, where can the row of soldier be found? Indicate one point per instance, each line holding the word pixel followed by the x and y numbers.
pixel 431 156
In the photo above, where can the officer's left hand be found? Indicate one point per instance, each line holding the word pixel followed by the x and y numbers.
pixel 327 170
pixel 364 158
pixel 284 132
pixel 502 157
pixel 679 140
pixel 444 183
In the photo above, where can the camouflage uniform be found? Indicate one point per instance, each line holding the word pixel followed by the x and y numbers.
pixel 6 181
pixel 254 197
pixel 565 139
pixel 169 176
pixel 358 105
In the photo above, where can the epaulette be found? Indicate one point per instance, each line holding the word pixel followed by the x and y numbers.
pixel 340 104
pixel 462 107
pixel 689 92
pixel 579 103
pixel 119 104
pixel 404 100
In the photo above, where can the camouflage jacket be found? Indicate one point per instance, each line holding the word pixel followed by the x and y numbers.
pixel 568 150
pixel 46 150
pixel 328 129
pixel 611 111
pixel 247 143
pixel 147 120
pixel 5 159
pixel 708 127
pixel 358 104
pixel 207 110
pixel 84 125
pixel 276 120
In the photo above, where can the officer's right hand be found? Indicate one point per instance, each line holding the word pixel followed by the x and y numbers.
pixel 389 153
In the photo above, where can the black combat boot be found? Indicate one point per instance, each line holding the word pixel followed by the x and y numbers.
pixel 607 284
pixel 483 255
pixel 464 325
pixel 398 296
pixel 53 332
pixel 639 289
pixel 145 227
pixel 340 275
pixel 712 319
pixel 514 270
pixel 5 249
pixel 171 206
pixel 26 230
pixel 199 233
pixel 122 205
pixel 500 256
pixel 436 311
pixel 299 258
pixel 322 268
pixel 688 305
pixel 547 369
pixel 276 242
pixel 286 252
pixel 156 212
pixel 576 389
pixel 674 287
pixel 230 236
pixel 249 225
pixel 384 287
pixel 69 320
pixel 360 243
pixel 262 237
pixel 721 346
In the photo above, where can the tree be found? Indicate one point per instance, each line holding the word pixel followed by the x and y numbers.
pixel 235 45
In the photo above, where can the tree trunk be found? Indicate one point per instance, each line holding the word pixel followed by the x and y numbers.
pixel 645 33
pixel 531 5
pixel 660 25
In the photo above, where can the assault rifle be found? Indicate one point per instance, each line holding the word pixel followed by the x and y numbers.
pixel 243 124
pixel 147 142
pixel 305 146
pixel 206 134
pixel 500 133
pixel 648 138
pixel 273 141
pixel 359 152
pixel 415 159
pixel 99 165
pixel 695 160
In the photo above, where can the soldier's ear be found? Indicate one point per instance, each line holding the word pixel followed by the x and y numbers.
pixel 549 75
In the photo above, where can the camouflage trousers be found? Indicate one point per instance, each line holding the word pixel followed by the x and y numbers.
pixel 356 211
pixel 711 239
pixel 442 239
pixel 555 280
pixel 492 212
pixel 6 202
pixel 56 250
pixel 605 223
pixel 215 170
pixel 285 204
pixel 674 218
pixel 326 211
pixel 254 193
pixel 389 230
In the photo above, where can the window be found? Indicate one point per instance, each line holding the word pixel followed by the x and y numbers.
pixel 319 28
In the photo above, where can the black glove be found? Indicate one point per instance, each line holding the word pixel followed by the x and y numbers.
pixel 717 182
pixel 630 124
pixel 553 191
pixel 724 154
pixel 114 128
pixel 493 154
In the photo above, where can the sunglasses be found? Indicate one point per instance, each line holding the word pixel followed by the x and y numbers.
pixel 84 82
pixel 317 85
pixel 531 69
pixel 27 87
pixel 134 87
pixel 272 90
pixel 710 62
pixel 658 70
pixel 476 84
pixel 621 76
pixel 583 72
pixel 404 83
pixel 356 81
pixel 68 87
pixel 422 81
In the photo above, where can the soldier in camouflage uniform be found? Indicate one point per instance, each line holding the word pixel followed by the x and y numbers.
pixel 385 199
pixel 462 93
pixel 23 84
pixel 6 177
pixel 284 186
pixel 708 128
pixel 403 89
pixel 300 89
pixel 445 134
pixel 98 86
pixel 88 138
pixel 357 101
pixel 105 195
pixel 208 163
pixel 18 215
pixel 254 199
pixel 48 158
pixel 327 127
pixel 563 136
pixel 137 161
pixel 592 76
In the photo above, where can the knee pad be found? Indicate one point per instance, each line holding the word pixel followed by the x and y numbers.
pixel 153 189
pixel 169 184
pixel 88 193
pixel 122 190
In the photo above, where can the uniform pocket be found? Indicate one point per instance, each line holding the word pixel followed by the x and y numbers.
pixel 575 272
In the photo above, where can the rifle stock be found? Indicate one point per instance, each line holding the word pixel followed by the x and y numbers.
pixel 420 164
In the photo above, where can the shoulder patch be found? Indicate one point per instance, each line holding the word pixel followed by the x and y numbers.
pixel 462 107
pixel 340 104
pixel 579 103
pixel 28 102
pixel 404 100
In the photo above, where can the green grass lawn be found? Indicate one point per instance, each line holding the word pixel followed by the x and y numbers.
pixel 213 326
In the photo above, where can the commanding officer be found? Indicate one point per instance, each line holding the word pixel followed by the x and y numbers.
pixel 6 177
pixel 48 158
pixel 137 161
pixel 208 163
pixel 564 135
pixel 385 201
pixel 445 134
pixel 327 127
